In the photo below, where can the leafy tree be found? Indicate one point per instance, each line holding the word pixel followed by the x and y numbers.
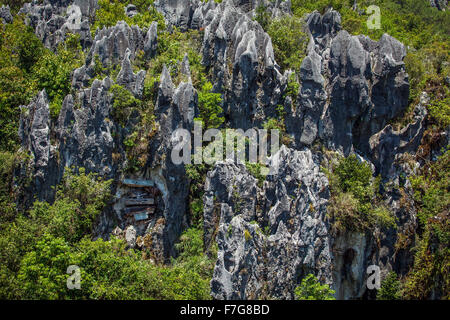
pixel 7 207
pixel 171 50
pixel 354 204
pixel 311 289
pixel 42 270
pixel 210 109
pixel 52 72
pixel 123 103
pixel 108 271
pixel 431 188
pixel 20 49
pixel 289 41
pixel 430 273
pixel 355 176
pixel 79 200
pixel 390 288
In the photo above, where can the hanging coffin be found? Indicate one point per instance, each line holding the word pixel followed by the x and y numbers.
pixel 140 216
pixel 138 183
pixel 139 202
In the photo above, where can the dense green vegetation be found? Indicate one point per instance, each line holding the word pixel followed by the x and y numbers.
pixel 432 252
pixel 197 176
pixel 390 288
pixel 289 41
pixel 112 11
pixel 15 5
pixel 210 109
pixel 37 247
pixel 26 67
pixel 354 204
pixel 172 48
pixel 431 189
pixel 35 252
pixel 311 289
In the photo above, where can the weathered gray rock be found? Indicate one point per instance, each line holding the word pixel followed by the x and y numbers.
pixel 352 253
pixel 151 41
pixel 34 132
pixel 130 236
pixel 388 145
pixel 268 237
pixel 35 129
pixel 324 28
pixel 178 12
pixel 351 87
pixel 85 133
pixel 5 15
pixel 131 10
pixel 126 77
pixel 193 14
pixel 116 47
pixel 274 8
pixel 241 57
pixel 111 44
pixel 439 4
pixel 290 208
pixel 362 74
pixel 175 108
pixel 52 20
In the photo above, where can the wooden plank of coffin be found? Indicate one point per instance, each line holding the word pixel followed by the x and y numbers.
pixel 138 183
pixel 135 209
pixel 139 202
pixel 141 216
pixel 132 210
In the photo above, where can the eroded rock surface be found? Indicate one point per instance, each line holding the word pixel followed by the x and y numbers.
pixel 269 235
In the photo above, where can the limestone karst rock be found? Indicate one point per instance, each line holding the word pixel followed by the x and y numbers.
pixel 269 236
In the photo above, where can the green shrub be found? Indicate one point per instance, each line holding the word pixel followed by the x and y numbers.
pixel 343 208
pixel 7 206
pixel 430 273
pixel 123 103
pixel 108 271
pixel 112 11
pixel 311 289
pixel 382 217
pixel 36 251
pixel 197 176
pixel 431 188
pixel 42 270
pixel 354 204
pixel 440 111
pixel 289 41
pixel 20 49
pixel 292 88
pixel 390 288
pixel 52 72
pixel 247 235
pixel 210 109
pixel 80 198
pixel 172 47
pixel 257 171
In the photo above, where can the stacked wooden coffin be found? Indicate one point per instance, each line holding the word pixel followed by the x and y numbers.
pixel 140 202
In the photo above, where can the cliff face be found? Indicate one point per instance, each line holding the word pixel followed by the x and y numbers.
pixel 270 235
